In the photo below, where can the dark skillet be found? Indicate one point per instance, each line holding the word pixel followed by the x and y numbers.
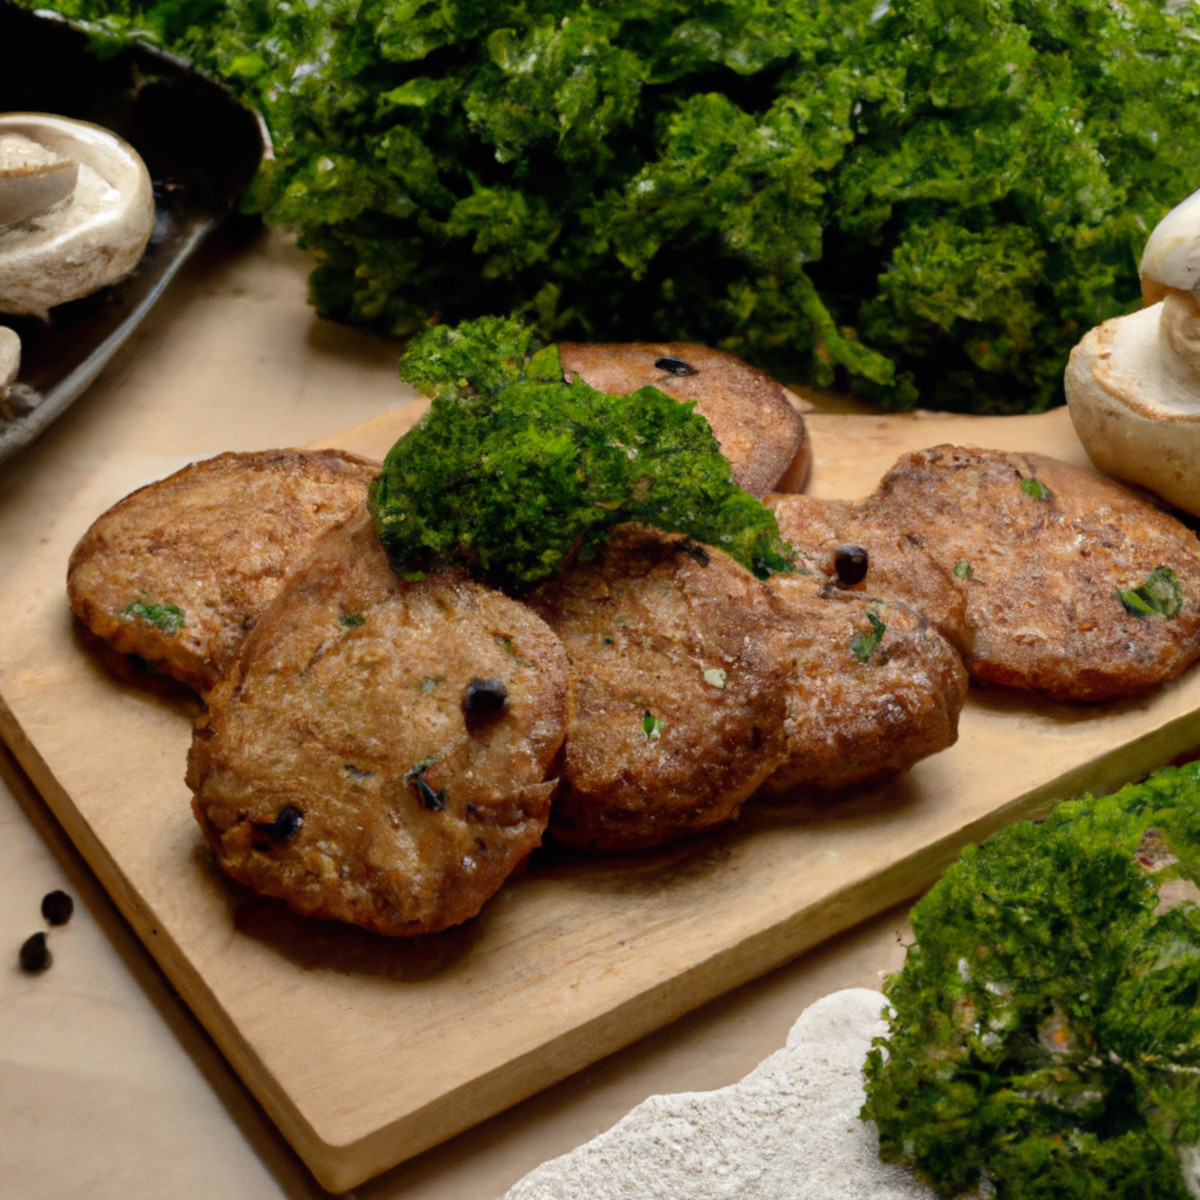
pixel 202 148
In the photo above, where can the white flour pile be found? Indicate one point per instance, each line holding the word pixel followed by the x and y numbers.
pixel 789 1128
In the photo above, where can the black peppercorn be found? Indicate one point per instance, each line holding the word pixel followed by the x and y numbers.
pixel 675 366
pixel 285 826
pixel 57 907
pixel 850 562
pixel 35 954
pixel 484 698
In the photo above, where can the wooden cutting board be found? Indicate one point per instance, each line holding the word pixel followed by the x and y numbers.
pixel 366 1051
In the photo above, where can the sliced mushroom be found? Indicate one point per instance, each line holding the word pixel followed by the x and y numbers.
pixel 10 359
pixel 1133 383
pixel 30 191
pixel 76 211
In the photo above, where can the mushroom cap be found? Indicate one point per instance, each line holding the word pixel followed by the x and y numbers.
pixel 1135 411
pixel 1171 257
pixel 87 241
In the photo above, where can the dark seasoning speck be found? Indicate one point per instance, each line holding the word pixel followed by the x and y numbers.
pixel 851 563
pixel 675 366
pixel 483 700
pixel 287 823
pixel 433 801
pixel 34 955
pixel 57 907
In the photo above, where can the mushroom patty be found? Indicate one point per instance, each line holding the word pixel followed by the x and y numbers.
pixel 675 709
pixel 874 690
pixel 853 558
pixel 378 752
pixel 760 432
pixel 872 622
pixel 179 570
pixel 1075 587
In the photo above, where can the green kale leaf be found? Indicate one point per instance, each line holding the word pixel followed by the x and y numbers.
pixel 1045 1032
pixel 513 471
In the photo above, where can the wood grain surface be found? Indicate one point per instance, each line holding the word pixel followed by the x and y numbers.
pixel 366 1051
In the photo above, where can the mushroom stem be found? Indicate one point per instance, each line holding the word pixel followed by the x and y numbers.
pixel 1171 257
pixel 1179 341
pixel 1133 383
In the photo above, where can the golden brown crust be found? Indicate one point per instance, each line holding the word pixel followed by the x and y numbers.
pixel 1045 570
pixel 855 717
pixel 215 540
pixel 346 705
pixel 675 712
pixel 896 568
pixel 760 431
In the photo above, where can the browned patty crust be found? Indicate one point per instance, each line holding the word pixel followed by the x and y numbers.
pixel 760 432
pixel 875 689
pixel 179 570
pixel 378 752
pixel 1047 552
pixel 852 557
pixel 675 710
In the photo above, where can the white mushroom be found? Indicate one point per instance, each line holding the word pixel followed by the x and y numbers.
pixel 10 359
pixel 76 211
pixel 1133 383
pixel 1171 258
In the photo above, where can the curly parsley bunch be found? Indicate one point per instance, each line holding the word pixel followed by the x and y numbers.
pixel 1045 1029
pixel 514 472
pixel 923 200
